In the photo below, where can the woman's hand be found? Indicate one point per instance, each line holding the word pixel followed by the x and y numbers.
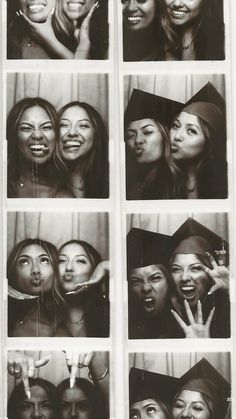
pixel 218 273
pixel 98 274
pixel 195 329
pixel 22 365
pixel 17 295
pixel 75 360
pixel 82 35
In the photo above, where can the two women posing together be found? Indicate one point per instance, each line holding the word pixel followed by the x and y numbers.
pixel 57 292
pixel 56 154
pixel 176 150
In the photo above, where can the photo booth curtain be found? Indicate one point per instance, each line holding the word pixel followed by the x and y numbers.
pixel 55 371
pixel 176 87
pixel 60 89
pixel 58 228
pixel 177 364
pixel 169 223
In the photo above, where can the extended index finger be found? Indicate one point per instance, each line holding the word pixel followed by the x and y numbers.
pixel 25 378
pixel 74 367
pixel 179 320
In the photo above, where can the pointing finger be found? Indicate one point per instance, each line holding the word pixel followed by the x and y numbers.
pixel 74 368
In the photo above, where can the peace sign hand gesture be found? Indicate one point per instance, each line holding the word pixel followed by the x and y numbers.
pixel 195 329
pixel 219 274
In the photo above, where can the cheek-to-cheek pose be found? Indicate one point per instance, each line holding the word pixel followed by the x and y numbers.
pixel 36 11
pixel 36 135
pixel 192 283
pixel 144 140
pixel 149 288
pixel 76 134
pixel 138 14
pixel 34 272
pixel 187 138
pixel 183 12
pixel 190 404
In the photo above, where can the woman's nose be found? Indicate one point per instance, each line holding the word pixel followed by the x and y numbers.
pixel 35 267
pixel 37 133
pixel 186 413
pixel 139 139
pixel 69 266
pixel 185 276
pixel 132 6
pixel 178 3
pixel 146 286
pixel 73 131
pixel 178 135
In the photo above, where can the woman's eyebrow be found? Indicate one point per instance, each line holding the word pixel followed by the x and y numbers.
pixel 147 125
pixel 193 125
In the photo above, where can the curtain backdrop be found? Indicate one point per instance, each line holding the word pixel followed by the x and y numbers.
pixel 177 364
pixel 169 223
pixel 58 228
pixel 176 87
pixel 55 371
pixel 59 89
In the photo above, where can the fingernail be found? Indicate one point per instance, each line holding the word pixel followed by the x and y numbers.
pixel 28 394
pixel 209 293
pixel 71 383
pixel 70 292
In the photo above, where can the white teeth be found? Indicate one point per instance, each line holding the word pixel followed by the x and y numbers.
pixel 37 147
pixel 36 7
pixel 148 300
pixel 188 288
pixel 134 19
pixel 74 5
pixel 178 12
pixel 72 143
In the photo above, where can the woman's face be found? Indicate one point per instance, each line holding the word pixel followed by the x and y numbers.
pixel 77 9
pixel 146 409
pixel 138 14
pixel 76 133
pixel 186 137
pixel 36 10
pixel 192 283
pixel 38 406
pixel 190 404
pixel 148 287
pixel 34 271
pixel 75 404
pixel 35 135
pixel 183 12
pixel 144 140
pixel 74 266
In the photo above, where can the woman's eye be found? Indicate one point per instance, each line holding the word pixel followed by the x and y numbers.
pixel 151 409
pixel 175 125
pixel 47 128
pixel 175 270
pixel 134 414
pixel 45 260
pixel 63 125
pixel 178 405
pixel 46 405
pixel 61 260
pixel 192 131
pixel 156 278
pixel 196 268
pixel 25 406
pixel 24 128
pixel 84 126
pixel 149 132
pixel 198 408
pixel 83 261
pixel 23 261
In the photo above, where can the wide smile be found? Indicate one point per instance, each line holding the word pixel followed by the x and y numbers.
pixel 36 7
pixel 188 291
pixel 133 20
pixel 38 150
pixel 149 304
pixel 179 14
pixel 75 5
pixel 72 145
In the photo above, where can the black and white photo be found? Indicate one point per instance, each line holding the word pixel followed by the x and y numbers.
pixel 178 276
pixel 57 136
pixel 58 275
pixel 175 137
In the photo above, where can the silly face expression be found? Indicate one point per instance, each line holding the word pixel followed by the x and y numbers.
pixel 36 10
pixel 187 137
pixel 183 12
pixel 148 287
pixel 36 135
pixel 34 271
pixel 77 9
pixel 39 406
pixel 192 283
pixel 75 404
pixel 190 404
pixel 75 266
pixel 144 140
pixel 146 409
pixel 76 134
pixel 138 14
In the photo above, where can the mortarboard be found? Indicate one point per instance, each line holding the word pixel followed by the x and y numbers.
pixel 146 248
pixel 205 379
pixel 150 385
pixel 147 105
pixel 209 94
pixel 193 237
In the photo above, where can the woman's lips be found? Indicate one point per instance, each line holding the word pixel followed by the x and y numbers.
pixel 174 148
pixel 188 291
pixel 72 145
pixel 179 14
pixel 149 304
pixel 39 150
pixel 68 277
pixel 36 7
pixel 139 150
pixel 133 20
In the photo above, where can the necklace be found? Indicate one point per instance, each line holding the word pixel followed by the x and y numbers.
pixel 29 42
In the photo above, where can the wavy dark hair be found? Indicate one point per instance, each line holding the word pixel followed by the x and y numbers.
pixel 64 30
pixel 97 302
pixel 164 186
pixel 210 167
pixel 145 45
pixel 16 161
pixel 95 165
pixel 208 34
pixel 212 408
pixel 51 303
pixel 95 402
pixel 18 395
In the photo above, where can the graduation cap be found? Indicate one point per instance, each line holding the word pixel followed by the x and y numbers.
pixel 146 248
pixel 205 379
pixel 144 105
pixel 209 94
pixel 193 237
pixel 150 385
